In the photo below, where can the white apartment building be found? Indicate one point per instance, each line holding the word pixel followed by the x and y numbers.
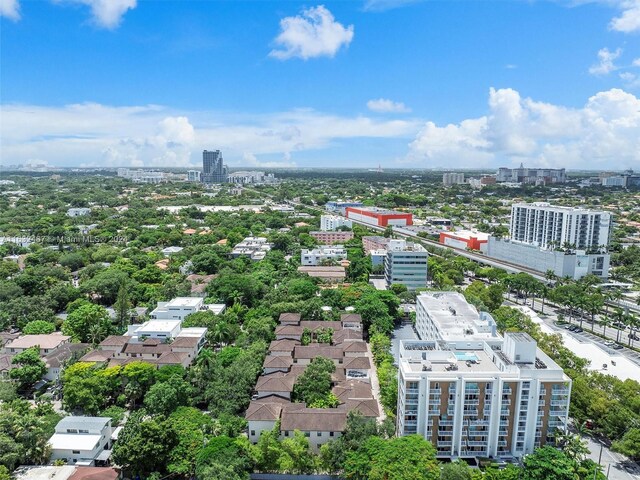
pixel 473 393
pixel 547 226
pixel 452 178
pixel 82 440
pixel 333 222
pixel 255 248
pixel 406 264
pixel 193 175
pixel 324 253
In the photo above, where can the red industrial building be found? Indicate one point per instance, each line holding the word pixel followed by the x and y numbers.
pixel 379 217
pixel 465 239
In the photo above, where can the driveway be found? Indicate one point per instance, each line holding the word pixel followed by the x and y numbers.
pixel 403 332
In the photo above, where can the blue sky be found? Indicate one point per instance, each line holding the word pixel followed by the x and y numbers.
pixel 352 84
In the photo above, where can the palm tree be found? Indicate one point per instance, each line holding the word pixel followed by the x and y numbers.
pixel 619 316
pixel 634 324
pixel 550 276
pixel 594 306
pixel 605 322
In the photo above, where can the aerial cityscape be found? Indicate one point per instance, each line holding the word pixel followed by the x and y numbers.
pixel 278 241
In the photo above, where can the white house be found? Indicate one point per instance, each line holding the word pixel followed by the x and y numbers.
pixel 321 254
pixel 82 440
pixel 177 309
pixel 78 212
pixel 167 252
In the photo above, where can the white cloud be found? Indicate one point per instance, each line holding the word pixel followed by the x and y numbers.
pixel 605 133
pixel 106 13
pixel 94 134
pixel 386 105
pixel 315 33
pixel 629 19
pixel 10 9
pixel 636 62
pixel 606 62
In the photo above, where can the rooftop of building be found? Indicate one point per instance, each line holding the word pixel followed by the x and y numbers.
pixel 381 211
pixel 191 302
pixel 455 318
pixel 468 234
pixel 547 205
pixel 45 342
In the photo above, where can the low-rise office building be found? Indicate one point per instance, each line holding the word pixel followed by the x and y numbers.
pixel 331 237
pixel 465 239
pixel 322 254
pixel 406 264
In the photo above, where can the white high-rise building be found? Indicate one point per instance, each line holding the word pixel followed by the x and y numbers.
pixel 333 222
pixel 406 264
pixel 193 175
pixel 547 226
pixel 473 393
pixel 452 178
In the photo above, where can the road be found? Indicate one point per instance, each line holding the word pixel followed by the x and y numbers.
pixel 617 466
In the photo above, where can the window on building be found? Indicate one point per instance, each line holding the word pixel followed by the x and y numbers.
pixel 72 430
pixel 75 452
pixel 253 433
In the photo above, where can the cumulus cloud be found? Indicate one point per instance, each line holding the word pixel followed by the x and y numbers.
pixel 315 33
pixel 629 20
pixel 386 105
pixel 94 134
pixel 604 133
pixel 636 62
pixel 10 9
pixel 606 62
pixel 106 13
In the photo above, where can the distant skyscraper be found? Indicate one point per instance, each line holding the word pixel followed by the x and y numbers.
pixel 213 168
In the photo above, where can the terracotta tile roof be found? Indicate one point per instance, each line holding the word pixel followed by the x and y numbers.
pixel 185 342
pixel 283 345
pixel 48 341
pixel 314 420
pixel 141 348
pixel 97 356
pixel 355 346
pixel 115 341
pixel 259 410
pixel 353 390
pixel 290 318
pixel 292 330
pixel 318 350
pixel 172 358
pixel 358 363
pixel 314 325
pixel 64 353
pixel 346 334
pixel 368 408
pixel 95 473
pixel 277 382
pixel 277 361
pixel 351 318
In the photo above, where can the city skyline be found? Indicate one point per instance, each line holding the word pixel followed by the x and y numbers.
pixel 357 84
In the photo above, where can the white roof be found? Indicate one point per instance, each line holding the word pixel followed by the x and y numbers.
pixel 455 318
pixel 184 302
pixel 72 441
pixel 46 473
pixel 196 332
pixel 468 234
pixel 172 249
pixel 216 308
pixel 157 326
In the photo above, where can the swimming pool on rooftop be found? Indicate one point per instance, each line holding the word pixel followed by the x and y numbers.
pixel 466 356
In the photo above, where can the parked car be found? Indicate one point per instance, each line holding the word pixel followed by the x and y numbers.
pixel 634 336
pixel 617 346
pixel 572 328
pixel 619 325
pixel 578 330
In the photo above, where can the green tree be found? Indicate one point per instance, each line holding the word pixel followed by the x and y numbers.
pixel 548 462
pixel 629 444
pixel 122 306
pixel 314 385
pixel 456 471
pixel 403 458
pixel 89 323
pixel 28 367
pixel 38 327
pixel 144 445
